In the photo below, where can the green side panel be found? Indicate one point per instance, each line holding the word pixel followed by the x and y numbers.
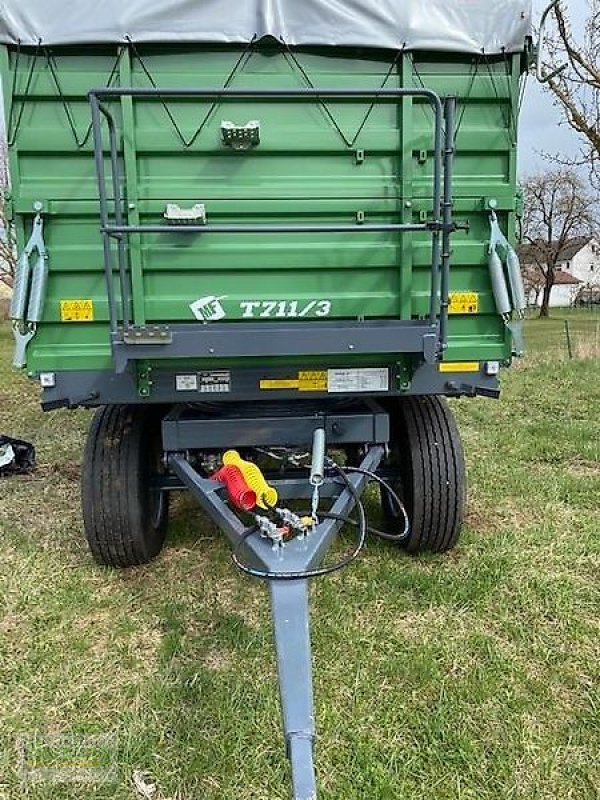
pixel 315 163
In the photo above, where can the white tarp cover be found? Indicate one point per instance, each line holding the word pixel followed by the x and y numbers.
pixel 470 26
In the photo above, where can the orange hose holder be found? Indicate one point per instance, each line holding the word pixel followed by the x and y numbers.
pixel 240 494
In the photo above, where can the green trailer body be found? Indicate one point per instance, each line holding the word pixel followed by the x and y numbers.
pixel 288 245
pixel 336 161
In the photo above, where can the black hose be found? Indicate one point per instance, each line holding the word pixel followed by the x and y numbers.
pixel 398 511
pixel 361 523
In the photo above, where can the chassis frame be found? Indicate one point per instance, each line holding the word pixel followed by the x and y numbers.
pixel 368 425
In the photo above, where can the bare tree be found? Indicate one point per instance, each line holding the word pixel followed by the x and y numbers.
pixel 576 87
pixel 558 208
pixel 533 283
pixel 7 241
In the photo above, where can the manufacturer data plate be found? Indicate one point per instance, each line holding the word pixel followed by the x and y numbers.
pixel 463 303
pixel 76 310
pixel 369 379
pixel 209 382
pixel 214 381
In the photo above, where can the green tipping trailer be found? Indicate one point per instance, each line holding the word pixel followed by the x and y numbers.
pixel 283 229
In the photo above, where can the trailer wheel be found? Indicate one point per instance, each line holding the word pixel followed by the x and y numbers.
pixel 427 450
pixel 125 519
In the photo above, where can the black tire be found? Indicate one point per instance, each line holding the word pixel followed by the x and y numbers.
pixel 427 450
pixel 125 520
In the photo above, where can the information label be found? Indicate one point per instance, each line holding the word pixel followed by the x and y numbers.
pixel 369 379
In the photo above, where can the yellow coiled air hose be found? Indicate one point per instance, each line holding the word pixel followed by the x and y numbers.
pixel 266 495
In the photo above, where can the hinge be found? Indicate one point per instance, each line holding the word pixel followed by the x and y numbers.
pixel 147 334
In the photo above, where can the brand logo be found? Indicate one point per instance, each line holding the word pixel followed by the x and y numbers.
pixel 209 308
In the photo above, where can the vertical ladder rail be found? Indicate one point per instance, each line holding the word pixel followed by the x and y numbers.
pixel 449 149
pixel 436 245
pixel 124 278
pixel 104 219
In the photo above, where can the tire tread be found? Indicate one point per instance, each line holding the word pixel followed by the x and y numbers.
pixel 433 471
pixel 116 517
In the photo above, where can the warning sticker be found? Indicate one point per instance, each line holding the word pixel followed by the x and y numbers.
pixel 307 381
pixel 312 381
pixel 358 380
pixel 76 310
pixel 463 303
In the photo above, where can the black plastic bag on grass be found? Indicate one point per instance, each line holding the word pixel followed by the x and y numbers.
pixel 16 457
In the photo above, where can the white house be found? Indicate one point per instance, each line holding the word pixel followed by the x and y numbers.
pixel 577 270
pixel 581 258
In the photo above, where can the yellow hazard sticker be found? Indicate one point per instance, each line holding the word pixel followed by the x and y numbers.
pixel 283 383
pixel 76 310
pixel 312 381
pixel 307 381
pixel 459 366
pixel 463 303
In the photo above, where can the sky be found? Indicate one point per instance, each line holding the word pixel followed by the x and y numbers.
pixel 540 122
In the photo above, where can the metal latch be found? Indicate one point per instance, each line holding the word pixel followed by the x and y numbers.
pixel 175 215
pixel 240 137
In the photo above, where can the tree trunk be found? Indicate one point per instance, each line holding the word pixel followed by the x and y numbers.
pixel 545 307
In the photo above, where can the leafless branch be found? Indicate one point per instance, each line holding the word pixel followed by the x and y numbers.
pixel 577 88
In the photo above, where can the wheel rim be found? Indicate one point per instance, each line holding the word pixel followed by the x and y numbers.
pixel 157 499
pixel 157 507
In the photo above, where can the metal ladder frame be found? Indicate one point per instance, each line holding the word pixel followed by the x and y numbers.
pixel 427 338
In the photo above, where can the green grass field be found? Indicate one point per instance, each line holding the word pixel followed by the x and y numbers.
pixel 547 339
pixel 473 676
